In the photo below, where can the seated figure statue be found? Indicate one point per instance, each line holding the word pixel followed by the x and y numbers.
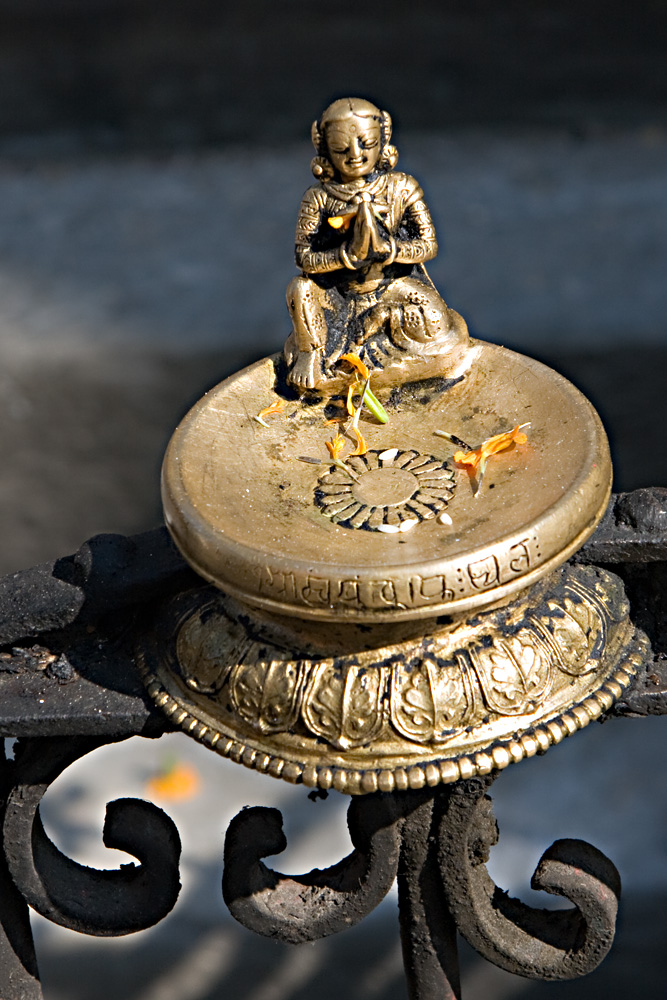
pixel 363 235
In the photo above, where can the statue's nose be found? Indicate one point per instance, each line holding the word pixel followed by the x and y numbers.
pixel 355 148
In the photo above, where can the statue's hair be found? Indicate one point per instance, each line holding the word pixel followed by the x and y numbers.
pixel 321 165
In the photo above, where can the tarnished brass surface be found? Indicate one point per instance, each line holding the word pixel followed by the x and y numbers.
pixel 361 709
pixel 363 236
pixel 309 540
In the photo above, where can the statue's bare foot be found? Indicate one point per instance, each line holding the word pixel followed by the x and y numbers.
pixel 306 371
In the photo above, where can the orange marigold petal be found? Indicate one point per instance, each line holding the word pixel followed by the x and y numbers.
pixel 499 442
pixel 341 221
pixel 471 458
pixel 492 446
pixel 362 447
pixel 274 408
pixel 357 364
pixel 179 783
pixel 335 446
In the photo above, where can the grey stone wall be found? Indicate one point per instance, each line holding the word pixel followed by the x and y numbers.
pixel 146 72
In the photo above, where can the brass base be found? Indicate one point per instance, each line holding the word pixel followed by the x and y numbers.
pixel 361 709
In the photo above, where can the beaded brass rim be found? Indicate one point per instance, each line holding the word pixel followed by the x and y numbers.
pixel 556 659
pixel 439 771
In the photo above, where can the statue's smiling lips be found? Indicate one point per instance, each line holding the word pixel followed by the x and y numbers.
pixel 356 163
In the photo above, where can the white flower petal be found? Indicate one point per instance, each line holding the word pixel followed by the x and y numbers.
pixel 389 455
pixel 409 524
pixel 389 529
pixel 444 519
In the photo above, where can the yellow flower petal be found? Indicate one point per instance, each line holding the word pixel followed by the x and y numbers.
pixel 471 458
pixel 341 221
pixel 492 446
pixel 362 447
pixel 179 783
pixel 276 407
pixel 499 442
pixel 357 364
pixel 335 446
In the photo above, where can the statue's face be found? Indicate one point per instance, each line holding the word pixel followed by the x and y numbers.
pixel 354 144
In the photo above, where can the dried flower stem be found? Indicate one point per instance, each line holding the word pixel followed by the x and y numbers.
pixel 344 468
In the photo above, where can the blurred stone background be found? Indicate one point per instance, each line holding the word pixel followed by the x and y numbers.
pixel 152 157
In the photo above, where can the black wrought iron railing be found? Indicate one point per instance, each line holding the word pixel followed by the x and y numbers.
pixel 68 685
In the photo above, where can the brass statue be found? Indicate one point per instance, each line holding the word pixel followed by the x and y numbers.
pixel 363 235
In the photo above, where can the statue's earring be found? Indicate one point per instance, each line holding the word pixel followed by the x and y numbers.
pixel 321 168
pixel 388 157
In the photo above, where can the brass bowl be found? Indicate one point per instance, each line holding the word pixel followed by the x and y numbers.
pixel 247 513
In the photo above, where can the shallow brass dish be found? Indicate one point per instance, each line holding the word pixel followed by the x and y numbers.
pixel 251 517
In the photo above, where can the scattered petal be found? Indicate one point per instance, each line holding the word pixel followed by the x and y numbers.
pixel 492 446
pixel 389 529
pixel 357 364
pixel 335 446
pixel 469 458
pixel 276 407
pixel 444 518
pixel 176 783
pixel 341 221
pixel 362 447
pixel 389 455
pixel 409 524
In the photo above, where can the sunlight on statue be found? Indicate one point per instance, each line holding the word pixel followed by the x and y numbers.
pixel 363 236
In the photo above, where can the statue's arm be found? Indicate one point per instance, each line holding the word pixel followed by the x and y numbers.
pixel 311 214
pixel 423 245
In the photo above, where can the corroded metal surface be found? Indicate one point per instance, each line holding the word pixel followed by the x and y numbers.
pixel 371 710
pixel 104 903
pixel 312 906
pixel 436 841
pixel 538 944
pixel 68 668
